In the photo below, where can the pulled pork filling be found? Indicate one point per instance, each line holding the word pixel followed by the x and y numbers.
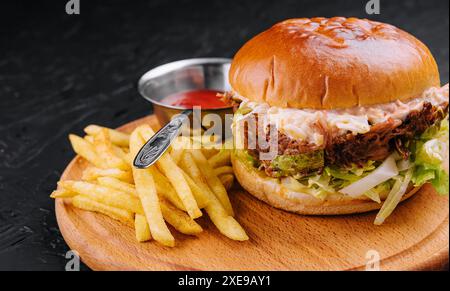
pixel 335 147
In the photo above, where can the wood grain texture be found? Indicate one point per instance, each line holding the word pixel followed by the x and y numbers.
pixel 415 237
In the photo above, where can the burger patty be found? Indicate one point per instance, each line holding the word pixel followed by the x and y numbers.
pixel 348 149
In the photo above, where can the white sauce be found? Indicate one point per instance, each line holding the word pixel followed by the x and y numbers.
pixel 302 124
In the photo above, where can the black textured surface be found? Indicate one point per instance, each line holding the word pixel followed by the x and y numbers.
pixel 59 73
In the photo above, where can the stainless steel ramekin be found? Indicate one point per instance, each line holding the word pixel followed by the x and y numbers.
pixel 185 75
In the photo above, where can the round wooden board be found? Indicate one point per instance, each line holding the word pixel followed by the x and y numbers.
pixel 415 237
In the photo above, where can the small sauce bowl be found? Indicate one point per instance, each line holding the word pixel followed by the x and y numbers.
pixel 182 76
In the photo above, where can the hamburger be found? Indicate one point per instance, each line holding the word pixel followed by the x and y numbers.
pixel 338 116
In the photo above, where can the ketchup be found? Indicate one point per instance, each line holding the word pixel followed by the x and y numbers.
pixel 206 99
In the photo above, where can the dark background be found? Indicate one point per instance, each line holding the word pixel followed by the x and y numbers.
pixel 59 73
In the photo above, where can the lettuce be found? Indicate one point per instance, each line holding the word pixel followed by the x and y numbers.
pixel 441 182
pixel 314 187
pixel 422 176
pixel 395 196
pixel 429 155
pixel 321 182
pixel 375 193
pixel 439 131
pixel 386 171
pixel 343 177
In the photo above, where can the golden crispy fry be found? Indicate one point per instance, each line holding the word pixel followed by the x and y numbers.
pixel 212 180
pixel 173 173
pixel 117 184
pixel 165 189
pixel 175 176
pixel 121 153
pixel 190 168
pixel 141 228
pixel 226 224
pixel 223 170
pixel 121 215
pixel 182 180
pixel 91 174
pixel 146 189
pixel 89 138
pixel 208 153
pixel 201 198
pixel 223 158
pixel 163 186
pixel 105 151
pixel 179 219
pixel 104 195
pixel 86 150
pixel 227 181
pixel 176 155
pixel 118 138
pixel 62 193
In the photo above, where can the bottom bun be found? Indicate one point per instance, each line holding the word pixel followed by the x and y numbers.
pixel 273 193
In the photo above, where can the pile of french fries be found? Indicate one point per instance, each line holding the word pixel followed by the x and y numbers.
pixel 174 190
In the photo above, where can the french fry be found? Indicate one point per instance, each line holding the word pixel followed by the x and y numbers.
pixel 208 153
pixel 141 228
pixel 226 224
pixel 227 181
pixel 121 215
pixel 146 189
pixel 86 150
pixel 89 138
pixel 176 155
pixel 62 193
pixel 121 153
pixel 175 176
pixel 163 186
pixel 105 151
pixel 193 176
pixel 165 189
pixel 223 158
pixel 92 174
pixel 173 173
pixel 223 170
pixel 104 195
pixel 117 184
pixel 118 138
pixel 179 219
pixel 191 169
pixel 200 197
pixel 171 214
pixel 212 180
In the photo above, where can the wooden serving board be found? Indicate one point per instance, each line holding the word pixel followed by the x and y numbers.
pixel 415 237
